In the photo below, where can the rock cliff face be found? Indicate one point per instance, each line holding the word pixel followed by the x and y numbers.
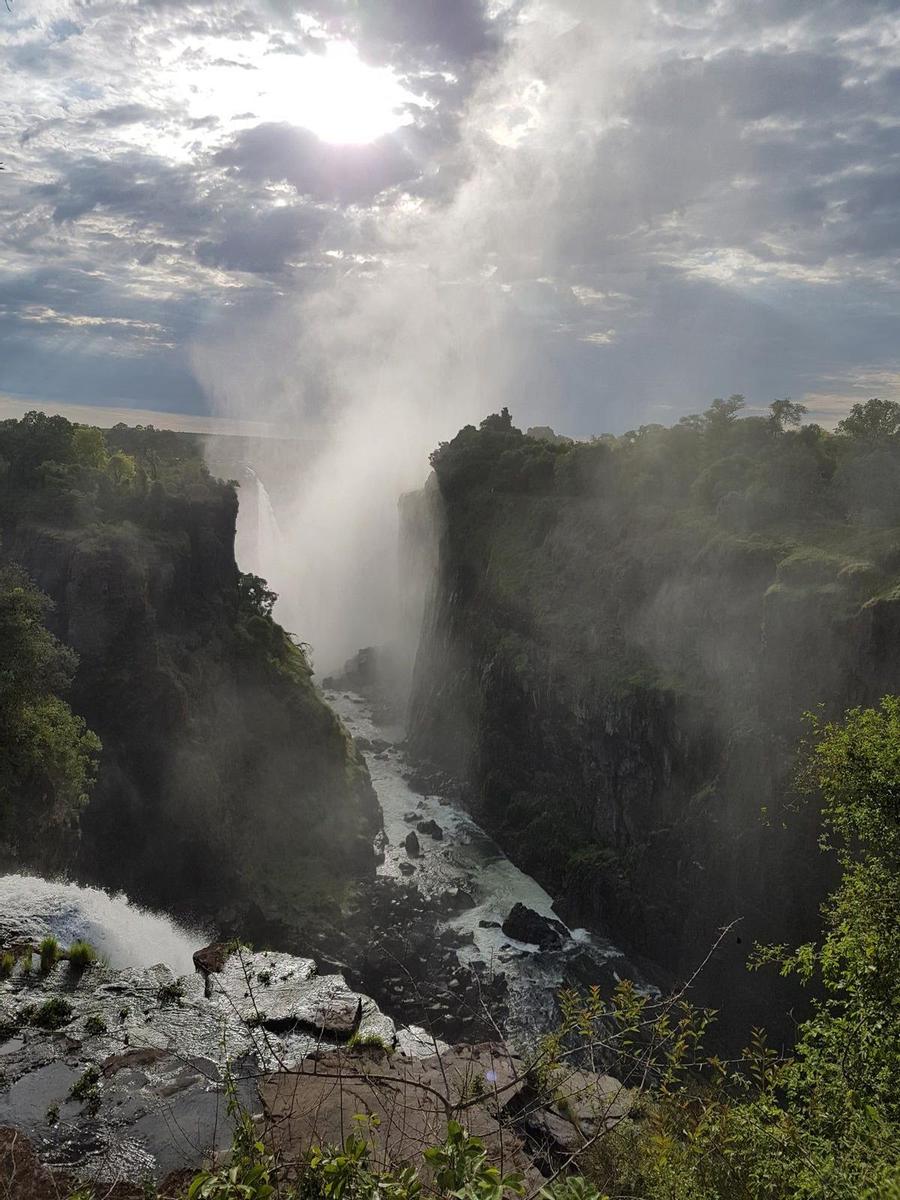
pixel 226 784
pixel 619 685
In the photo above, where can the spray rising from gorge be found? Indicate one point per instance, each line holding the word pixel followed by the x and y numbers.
pixel 391 355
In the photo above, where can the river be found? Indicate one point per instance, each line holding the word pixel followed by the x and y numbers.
pixel 465 859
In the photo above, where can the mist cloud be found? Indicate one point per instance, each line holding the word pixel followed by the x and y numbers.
pixel 601 214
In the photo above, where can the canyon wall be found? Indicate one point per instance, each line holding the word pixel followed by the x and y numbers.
pixel 226 784
pixel 615 661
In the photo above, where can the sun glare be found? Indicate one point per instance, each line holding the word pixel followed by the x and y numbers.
pixel 342 99
pixel 332 92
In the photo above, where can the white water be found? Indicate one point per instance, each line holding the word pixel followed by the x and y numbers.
pixel 259 541
pixel 467 858
pixel 120 930
pixel 269 538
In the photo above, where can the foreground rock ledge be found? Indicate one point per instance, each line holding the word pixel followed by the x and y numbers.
pixel 116 1076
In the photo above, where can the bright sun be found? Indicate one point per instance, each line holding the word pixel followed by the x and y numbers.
pixel 342 99
pixel 331 92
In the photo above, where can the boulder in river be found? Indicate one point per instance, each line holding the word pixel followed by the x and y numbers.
pixel 411 842
pixel 432 829
pixel 526 925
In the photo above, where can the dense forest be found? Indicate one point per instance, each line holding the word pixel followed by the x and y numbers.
pixel 126 622
pixel 622 641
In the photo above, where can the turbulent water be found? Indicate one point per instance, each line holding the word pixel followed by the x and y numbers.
pixel 468 859
pixel 122 932
pixel 463 860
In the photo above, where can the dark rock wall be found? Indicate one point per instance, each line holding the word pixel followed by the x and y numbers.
pixel 623 705
pixel 225 781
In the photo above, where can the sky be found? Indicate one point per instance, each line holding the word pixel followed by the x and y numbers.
pixel 600 214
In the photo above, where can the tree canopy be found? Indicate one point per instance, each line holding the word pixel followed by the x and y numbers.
pixel 49 756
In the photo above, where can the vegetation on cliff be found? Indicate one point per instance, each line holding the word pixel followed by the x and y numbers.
pixel 224 779
pixel 47 754
pixel 623 635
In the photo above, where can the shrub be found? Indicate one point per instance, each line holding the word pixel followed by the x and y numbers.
pixel 368 1041
pixel 52 1014
pixel 7 962
pixel 86 1089
pixel 94 1026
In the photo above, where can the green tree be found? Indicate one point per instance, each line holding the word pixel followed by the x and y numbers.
pixel 871 422
pixel 722 413
pixel 121 469
pixel 825 1122
pixel 89 447
pixel 48 758
pixel 255 595
pixel 786 412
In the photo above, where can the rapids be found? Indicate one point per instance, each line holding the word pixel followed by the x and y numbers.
pixel 466 859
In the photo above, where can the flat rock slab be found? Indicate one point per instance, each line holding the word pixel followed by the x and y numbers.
pixel 412 1099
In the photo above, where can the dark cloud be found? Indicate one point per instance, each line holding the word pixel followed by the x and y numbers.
pixel 261 243
pixel 347 174
pixel 147 189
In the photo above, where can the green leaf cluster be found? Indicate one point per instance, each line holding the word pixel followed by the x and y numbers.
pixel 49 757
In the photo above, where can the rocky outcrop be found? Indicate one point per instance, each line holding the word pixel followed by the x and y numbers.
pixel 101 1065
pixel 127 1082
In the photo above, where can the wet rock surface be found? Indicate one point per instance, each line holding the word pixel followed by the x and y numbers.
pixel 127 1082
pixel 525 925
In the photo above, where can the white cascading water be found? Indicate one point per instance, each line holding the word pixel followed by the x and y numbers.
pixel 259 541
pixel 120 930
pixel 269 537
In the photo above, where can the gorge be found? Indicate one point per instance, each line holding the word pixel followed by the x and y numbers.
pixel 576 772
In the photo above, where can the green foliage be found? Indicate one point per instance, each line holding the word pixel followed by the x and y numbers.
pixel 81 954
pixel 7 963
pixel 49 952
pixel 52 1014
pixel 89 447
pixel 786 412
pixel 461 1168
pixel 876 420
pixel 49 760
pixel 368 1041
pixel 86 1090
pixel 95 1026
pixel 122 470
pixel 825 1122
pixel 571 1187
pixel 255 595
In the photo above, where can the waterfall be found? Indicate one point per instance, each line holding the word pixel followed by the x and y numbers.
pixel 269 538
pixel 259 542
pixel 122 931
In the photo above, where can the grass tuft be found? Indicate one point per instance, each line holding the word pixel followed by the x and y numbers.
pixel 81 955
pixel 49 951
